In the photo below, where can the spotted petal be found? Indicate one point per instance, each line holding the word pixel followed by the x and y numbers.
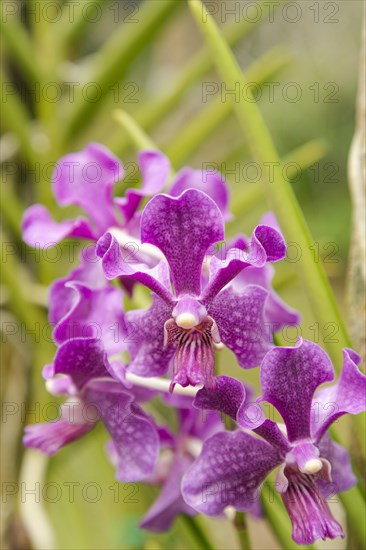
pixel 94 314
pixel 155 168
pixel 240 319
pixel 40 230
pixel 265 245
pixel 118 262
pixel 82 359
pixel 145 339
pixel 86 179
pixel 50 437
pixel 348 395
pixel 228 472
pixel 133 433
pixel 210 182
pixel 183 228
pixel 169 503
pixel 289 378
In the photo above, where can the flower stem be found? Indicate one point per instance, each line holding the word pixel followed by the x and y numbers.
pixel 279 525
pixel 160 384
pixel 195 528
pixel 240 524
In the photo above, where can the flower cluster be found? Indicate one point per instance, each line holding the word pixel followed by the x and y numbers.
pixel 206 295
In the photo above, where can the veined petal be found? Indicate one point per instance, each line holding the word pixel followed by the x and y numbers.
pixel 94 314
pixel 210 182
pixel 134 435
pixel 145 339
pixel 50 437
pixel 309 513
pixel 240 319
pixel 289 378
pixel 183 228
pixel 169 503
pixel 265 245
pixel 155 168
pixel 348 395
pixel 82 359
pixel 227 397
pixel 228 472
pixel 39 229
pixel 122 263
pixel 277 312
pixel 89 273
pixel 341 472
pixel 86 179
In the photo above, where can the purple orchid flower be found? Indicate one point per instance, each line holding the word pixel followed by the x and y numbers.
pixel 94 395
pixel 190 321
pixel 85 305
pixel 86 179
pixel 312 466
pixel 178 453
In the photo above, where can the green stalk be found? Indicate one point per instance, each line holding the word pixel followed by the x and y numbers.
pixel 354 506
pixel 73 24
pixel 16 118
pixel 214 114
pixel 191 523
pixel 20 47
pixel 279 523
pixel 135 133
pixel 201 63
pixel 113 59
pixel 240 525
pixel 304 157
pixel 278 190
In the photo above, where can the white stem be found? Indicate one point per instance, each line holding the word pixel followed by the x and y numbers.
pixel 161 384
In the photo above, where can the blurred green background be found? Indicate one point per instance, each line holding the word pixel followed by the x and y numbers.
pixel 66 67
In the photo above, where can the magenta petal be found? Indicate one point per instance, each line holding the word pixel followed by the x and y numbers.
pixel 348 395
pixel 277 312
pixel 210 182
pixel 134 435
pixel 183 228
pixel 289 378
pixel 309 513
pixel 341 472
pixel 50 437
pixel 82 359
pixel 94 314
pixel 86 179
pixel 265 245
pixel 241 323
pixel 155 168
pixel 227 397
pixel 39 229
pixel 119 263
pixel 169 503
pixel 270 240
pixel 228 472
pixel 145 339
pixel 88 273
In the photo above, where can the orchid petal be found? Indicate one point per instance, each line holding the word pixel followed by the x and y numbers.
pixel 289 378
pixel 210 182
pixel 183 228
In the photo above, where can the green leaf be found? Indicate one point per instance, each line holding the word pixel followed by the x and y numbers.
pixel 113 59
